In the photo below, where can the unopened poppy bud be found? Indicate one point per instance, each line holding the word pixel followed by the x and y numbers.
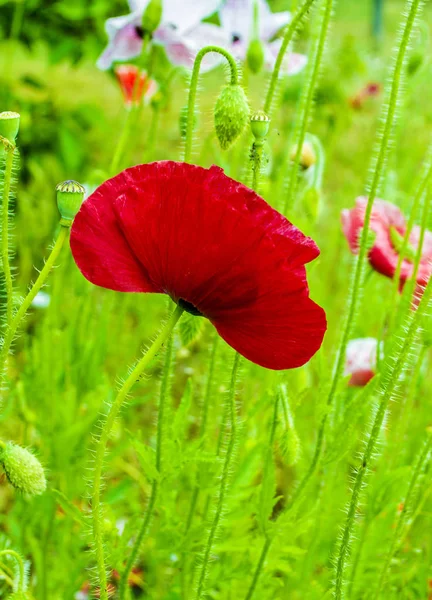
pixel 231 114
pixel 255 56
pixel 70 195
pixel 307 156
pixel 260 124
pixel 23 470
pixel 152 16
pixel 9 125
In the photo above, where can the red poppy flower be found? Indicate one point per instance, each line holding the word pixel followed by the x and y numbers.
pixel 214 246
pixel 389 226
pixel 135 84
pixel 360 360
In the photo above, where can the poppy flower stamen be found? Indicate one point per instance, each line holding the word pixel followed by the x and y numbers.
pixel 189 307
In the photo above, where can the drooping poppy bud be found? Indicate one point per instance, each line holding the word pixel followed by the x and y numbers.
pixel 260 124
pixel 255 56
pixel 9 125
pixel 152 16
pixel 231 114
pixel 23 469
pixel 70 195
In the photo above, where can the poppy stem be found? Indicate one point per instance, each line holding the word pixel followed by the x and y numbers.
pixel 43 275
pixel 163 397
pixel 202 569
pixel 398 534
pixel 7 184
pixel 102 442
pixel 395 365
pixel 124 137
pixel 286 40
pixel 306 103
pixel 193 91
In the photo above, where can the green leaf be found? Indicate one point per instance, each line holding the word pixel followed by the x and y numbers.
pixel 190 328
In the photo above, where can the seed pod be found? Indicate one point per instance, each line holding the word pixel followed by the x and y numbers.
pixel 260 124
pixel 255 56
pixel 23 469
pixel 231 114
pixel 9 125
pixel 70 195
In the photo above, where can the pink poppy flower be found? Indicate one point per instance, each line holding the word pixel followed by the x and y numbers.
pixel 237 19
pixel 180 31
pixel 360 360
pixel 389 226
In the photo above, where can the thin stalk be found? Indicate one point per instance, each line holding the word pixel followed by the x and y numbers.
pixel 267 538
pixel 163 398
pixel 151 138
pixel 40 281
pixel 306 103
pixel 394 372
pixel 224 483
pixel 193 91
pixel 9 153
pixel 286 40
pixel 422 459
pixel 97 518
pixel 123 140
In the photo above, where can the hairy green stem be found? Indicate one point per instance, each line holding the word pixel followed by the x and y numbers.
pixel 43 275
pixel 163 398
pixel 286 40
pixel 422 459
pixel 193 91
pixel 390 385
pixel 9 158
pixel 224 483
pixel 102 442
pixel 306 104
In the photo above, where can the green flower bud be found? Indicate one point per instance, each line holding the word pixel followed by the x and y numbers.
pixel 70 195
pixel 307 155
pixel 260 124
pixel 23 469
pixel 9 125
pixel 231 114
pixel 152 16
pixel 255 56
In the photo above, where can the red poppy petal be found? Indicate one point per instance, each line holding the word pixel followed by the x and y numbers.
pixel 196 232
pixel 100 249
pixel 282 329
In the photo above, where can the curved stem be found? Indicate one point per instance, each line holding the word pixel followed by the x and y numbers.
pixel 306 104
pixel 224 484
pixel 286 40
pixel 9 152
pixel 259 568
pixel 193 91
pixel 102 442
pixel 43 275
pixel 163 397
pixel 391 382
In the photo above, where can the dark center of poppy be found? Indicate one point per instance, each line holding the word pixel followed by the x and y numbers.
pixel 235 38
pixel 190 308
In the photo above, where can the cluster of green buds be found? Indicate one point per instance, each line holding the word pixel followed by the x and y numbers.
pixel 70 195
pixel 23 470
pixel 231 114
